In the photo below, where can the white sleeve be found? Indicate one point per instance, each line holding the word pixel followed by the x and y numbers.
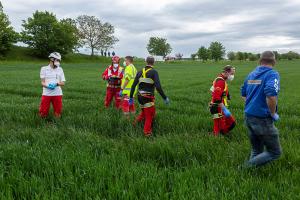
pixel 43 73
pixel 62 76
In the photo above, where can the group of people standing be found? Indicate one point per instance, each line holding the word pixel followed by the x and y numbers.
pixel 122 86
pixel 259 91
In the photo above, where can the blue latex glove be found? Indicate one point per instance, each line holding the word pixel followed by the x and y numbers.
pixel 167 101
pixel 121 93
pixel 226 112
pixel 275 117
pixel 131 101
pixel 51 86
pixel 54 85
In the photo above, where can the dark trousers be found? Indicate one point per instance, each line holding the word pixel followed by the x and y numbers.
pixel 264 139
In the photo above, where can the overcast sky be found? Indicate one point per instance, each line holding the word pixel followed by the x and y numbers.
pixel 244 25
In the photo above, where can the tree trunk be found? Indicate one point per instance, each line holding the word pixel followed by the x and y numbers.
pixel 92 51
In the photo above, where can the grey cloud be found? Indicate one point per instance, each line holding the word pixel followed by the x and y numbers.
pixel 277 18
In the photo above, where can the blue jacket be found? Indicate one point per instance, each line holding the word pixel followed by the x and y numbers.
pixel 260 83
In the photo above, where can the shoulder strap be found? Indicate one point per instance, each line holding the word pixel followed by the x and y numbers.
pixel 145 72
pixel 226 87
pixel 219 78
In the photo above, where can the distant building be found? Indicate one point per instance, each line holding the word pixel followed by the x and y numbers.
pixel 168 58
pixel 159 58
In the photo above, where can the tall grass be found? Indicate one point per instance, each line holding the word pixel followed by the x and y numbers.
pixel 94 153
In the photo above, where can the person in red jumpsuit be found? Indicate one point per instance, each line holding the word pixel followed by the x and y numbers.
pixel 147 81
pixel 224 121
pixel 113 75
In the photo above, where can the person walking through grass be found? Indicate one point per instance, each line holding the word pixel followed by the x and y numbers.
pixel 147 80
pixel 260 92
pixel 223 120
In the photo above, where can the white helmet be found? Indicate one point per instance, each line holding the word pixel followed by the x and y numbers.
pixel 55 55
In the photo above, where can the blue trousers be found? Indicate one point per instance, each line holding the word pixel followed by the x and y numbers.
pixel 264 139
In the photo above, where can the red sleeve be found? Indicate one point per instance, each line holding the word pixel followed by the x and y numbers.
pixel 105 74
pixel 219 87
pixel 122 74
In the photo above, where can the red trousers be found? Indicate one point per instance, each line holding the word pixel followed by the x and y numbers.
pixel 45 105
pixel 223 125
pixel 127 109
pixel 110 94
pixel 148 115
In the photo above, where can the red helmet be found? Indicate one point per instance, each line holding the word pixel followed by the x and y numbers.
pixel 115 59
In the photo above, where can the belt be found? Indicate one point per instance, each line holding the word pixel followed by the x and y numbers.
pixel 147 105
pixel 217 116
pixel 146 94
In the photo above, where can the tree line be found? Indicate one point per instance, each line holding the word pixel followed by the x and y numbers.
pixel 215 51
pixel 253 57
pixel 44 33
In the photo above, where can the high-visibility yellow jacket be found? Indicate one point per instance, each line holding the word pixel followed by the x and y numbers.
pixel 129 74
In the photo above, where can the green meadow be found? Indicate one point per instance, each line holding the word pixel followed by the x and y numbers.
pixel 95 153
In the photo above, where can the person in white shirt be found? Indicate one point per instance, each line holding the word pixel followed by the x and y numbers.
pixel 52 80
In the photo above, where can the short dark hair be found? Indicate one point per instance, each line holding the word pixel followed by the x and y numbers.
pixel 150 60
pixel 129 58
pixel 267 57
pixel 228 68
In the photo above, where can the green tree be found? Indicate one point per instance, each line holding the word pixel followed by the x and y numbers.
pixel 193 56
pixel 44 34
pixel 252 57
pixel 240 56
pixel 95 34
pixel 231 56
pixel 258 56
pixel 203 53
pixel 217 50
pixel 277 55
pixel 292 55
pixel 246 55
pixel 159 46
pixel 7 34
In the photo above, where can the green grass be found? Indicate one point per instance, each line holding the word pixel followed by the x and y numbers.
pixel 93 153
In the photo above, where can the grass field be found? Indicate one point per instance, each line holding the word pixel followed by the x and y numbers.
pixel 93 153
